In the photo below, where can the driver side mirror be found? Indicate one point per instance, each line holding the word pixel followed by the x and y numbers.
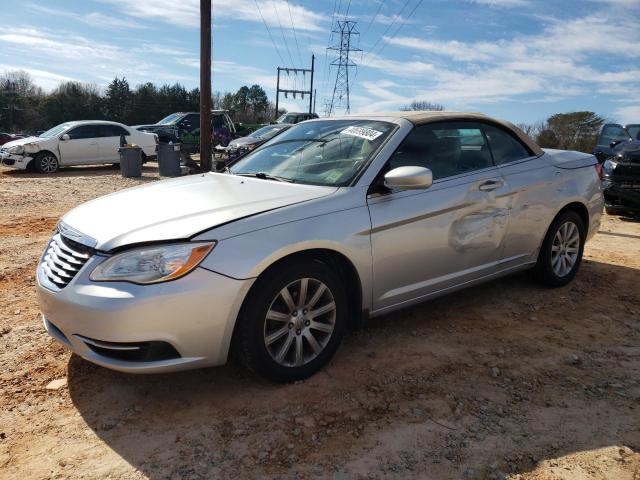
pixel 65 137
pixel 409 178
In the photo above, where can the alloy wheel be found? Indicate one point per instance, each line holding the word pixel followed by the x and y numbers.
pixel 48 164
pixel 565 249
pixel 300 322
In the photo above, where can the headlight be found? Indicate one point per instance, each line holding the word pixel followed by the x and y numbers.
pixel 17 150
pixel 152 264
pixel 608 167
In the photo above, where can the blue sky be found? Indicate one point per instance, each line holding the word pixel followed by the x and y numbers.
pixel 520 60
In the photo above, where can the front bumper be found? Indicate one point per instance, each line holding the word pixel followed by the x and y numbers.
pixel 194 315
pixel 623 195
pixel 21 162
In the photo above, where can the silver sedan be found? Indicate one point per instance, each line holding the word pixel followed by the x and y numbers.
pixel 331 223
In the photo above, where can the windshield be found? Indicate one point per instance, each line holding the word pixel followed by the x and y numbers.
pixel 266 132
pixel 328 152
pixel 57 130
pixel 634 131
pixel 171 119
pixel 287 118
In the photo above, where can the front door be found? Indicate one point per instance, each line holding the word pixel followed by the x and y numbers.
pixel 427 241
pixel 81 147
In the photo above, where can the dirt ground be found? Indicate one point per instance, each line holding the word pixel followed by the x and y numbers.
pixel 506 380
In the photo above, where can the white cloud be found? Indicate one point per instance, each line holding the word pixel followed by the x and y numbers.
pixel 100 61
pixel 629 114
pixel 555 64
pixel 93 19
pixel 45 79
pixel 502 3
pixel 187 13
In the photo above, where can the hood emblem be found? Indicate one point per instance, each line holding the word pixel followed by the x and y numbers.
pixel 69 232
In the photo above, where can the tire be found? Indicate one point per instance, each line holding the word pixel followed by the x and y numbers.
pixel 271 346
pixel 561 252
pixel 46 162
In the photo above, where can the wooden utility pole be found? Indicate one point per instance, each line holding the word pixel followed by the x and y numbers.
pixel 206 127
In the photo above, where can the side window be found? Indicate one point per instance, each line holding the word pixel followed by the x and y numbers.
pixel 612 133
pixel 190 122
pixel 446 149
pixel 83 131
pixel 110 131
pixel 504 146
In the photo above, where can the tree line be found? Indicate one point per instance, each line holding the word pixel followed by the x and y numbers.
pixel 26 108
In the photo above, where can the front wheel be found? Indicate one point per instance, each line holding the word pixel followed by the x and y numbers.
pixel 46 162
pixel 561 252
pixel 292 321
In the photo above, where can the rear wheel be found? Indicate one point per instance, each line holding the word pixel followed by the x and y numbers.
pixel 293 321
pixel 46 162
pixel 561 252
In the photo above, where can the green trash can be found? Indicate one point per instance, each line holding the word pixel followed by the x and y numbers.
pixel 130 161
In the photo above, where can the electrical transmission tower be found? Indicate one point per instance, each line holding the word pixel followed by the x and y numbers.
pixel 340 99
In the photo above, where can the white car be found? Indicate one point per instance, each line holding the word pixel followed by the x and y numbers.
pixel 86 142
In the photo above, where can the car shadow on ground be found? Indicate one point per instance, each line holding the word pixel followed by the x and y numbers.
pixel 82 171
pixel 494 378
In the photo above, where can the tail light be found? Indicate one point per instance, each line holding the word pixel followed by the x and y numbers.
pixel 599 170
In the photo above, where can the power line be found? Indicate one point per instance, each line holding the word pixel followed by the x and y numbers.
pixel 390 25
pixel 293 27
pixel 346 15
pixel 284 40
pixel 269 31
pixel 374 17
pixel 386 42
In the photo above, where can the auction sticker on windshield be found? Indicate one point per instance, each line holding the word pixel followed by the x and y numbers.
pixel 362 132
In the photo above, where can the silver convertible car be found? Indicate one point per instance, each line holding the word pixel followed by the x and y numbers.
pixel 332 222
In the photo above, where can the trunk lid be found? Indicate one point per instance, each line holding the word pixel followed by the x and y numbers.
pixel 568 159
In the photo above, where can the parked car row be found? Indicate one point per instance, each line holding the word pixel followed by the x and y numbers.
pixel 241 146
pixel 184 128
pixel 97 142
pixel 9 137
pixel 84 142
pixel 618 150
pixel 327 224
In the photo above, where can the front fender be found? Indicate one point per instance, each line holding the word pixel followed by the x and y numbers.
pixel 346 232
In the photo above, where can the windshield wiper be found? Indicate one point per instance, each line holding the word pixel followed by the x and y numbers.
pixel 266 176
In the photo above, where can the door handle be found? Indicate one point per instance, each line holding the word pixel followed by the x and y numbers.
pixel 490 185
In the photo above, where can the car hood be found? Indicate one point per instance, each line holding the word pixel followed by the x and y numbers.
pixel 24 141
pixel 180 208
pixel 239 142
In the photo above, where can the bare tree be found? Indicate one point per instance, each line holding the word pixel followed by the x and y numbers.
pixel 422 105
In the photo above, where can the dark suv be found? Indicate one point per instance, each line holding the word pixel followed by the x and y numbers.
pixel 184 128
pixel 618 149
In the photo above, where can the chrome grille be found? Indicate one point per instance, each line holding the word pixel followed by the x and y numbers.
pixel 63 260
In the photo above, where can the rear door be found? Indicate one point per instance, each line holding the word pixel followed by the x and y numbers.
pixel 109 142
pixel 427 241
pixel 82 146
pixel 531 196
